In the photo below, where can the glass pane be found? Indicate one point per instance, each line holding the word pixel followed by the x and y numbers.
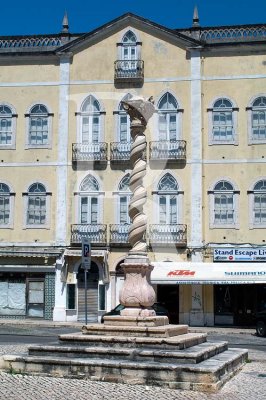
pixel 84 210
pixel 162 210
pixel 94 210
pixel 162 127
pixel 71 296
pixel 173 210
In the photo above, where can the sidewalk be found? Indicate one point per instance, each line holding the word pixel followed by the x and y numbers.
pixel 78 325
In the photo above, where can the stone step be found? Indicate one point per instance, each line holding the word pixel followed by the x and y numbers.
pixel 175 342
pixel 195 354
pixel 136 331
pixel 206 376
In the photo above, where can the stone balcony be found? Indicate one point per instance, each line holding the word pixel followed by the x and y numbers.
pixel 119 235
pixel 129 71
pixel 82 152
pixel 96 233
pixel 168 150
pixel 168 235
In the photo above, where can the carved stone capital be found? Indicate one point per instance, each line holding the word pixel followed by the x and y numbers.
pixel 139 110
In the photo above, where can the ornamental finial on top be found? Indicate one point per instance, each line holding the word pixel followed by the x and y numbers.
pixel 139 109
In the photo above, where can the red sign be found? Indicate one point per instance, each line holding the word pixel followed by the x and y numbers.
pixel 181 272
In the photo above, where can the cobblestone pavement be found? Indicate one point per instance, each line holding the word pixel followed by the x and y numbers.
pixel 249 383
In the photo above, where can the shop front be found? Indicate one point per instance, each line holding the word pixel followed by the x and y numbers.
pixel 214 293
pixel 26 292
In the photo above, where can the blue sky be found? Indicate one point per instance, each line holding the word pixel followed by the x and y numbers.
pixel 23 17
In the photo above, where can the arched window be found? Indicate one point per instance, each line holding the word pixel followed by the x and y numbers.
pixel 167 195
pixel 36 209
pixel 39 126
pixel 124 195
pixel 222 121
pixel 4 204
pixel 129 46
pixel 6 125
pixel 89 200
pixel 259 204
pixel 258 119
pixel 124 123
pixel 167 115
pixel 90 120
pixel 224 205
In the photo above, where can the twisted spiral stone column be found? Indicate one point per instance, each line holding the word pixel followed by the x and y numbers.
pixel 137 294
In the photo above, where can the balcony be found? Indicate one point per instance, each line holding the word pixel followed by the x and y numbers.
pixel 129 71
pixel 96 233
pixel 168 235
pixel 82 152
pixel 167 150
pixel 119 235
pixel 120 152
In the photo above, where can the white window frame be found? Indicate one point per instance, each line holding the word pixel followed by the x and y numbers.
pixel 234 110
pixel 49 116
pixel 26 195
pixel 121 44
pixel 235 193
pixel 89 194
pixel 118 113
pixel 13 116
pixel 81 114
pixel 117 196
pixel 11 195
pixel 251 197
pixel 250 110
pixel 178 194
pixel 177 112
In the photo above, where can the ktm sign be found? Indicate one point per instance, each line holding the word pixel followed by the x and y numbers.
pixel 181 272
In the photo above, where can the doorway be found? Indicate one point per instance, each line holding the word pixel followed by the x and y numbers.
pixel 168 295
pixel 237 304
pixel 92 293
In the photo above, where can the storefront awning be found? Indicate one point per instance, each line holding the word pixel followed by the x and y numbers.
pixel 27 268
pixel 208 273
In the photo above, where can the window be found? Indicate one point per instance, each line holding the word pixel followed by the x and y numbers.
pixel 90 120
pixel 258 205
pixel 39 121
pixel 124 196
pixel 167 198
pixel 4 205
pixel 7 127
pixel 124 123
pixel 37 206
pixel 129 47
pixel 224 205
pixel 257 120
pixel 222 121
pixel 168 118
pixel 71 296
pixel 89 201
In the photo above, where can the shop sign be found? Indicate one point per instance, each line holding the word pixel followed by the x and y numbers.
pixel 181 272
pixel 240 254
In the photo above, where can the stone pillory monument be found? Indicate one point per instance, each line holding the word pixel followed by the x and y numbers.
pixel 136 347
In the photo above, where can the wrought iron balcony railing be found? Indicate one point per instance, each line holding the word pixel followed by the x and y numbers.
pixel 89 152
pixel 96 233
pixel 175 234
pixel 129 71
pixel 119 235
pixel 120 152
pixel 168 150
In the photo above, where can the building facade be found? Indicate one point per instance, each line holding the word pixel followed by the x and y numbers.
pixel 65 165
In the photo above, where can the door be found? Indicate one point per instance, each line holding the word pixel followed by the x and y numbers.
pixel 92 294
pixel 35 303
